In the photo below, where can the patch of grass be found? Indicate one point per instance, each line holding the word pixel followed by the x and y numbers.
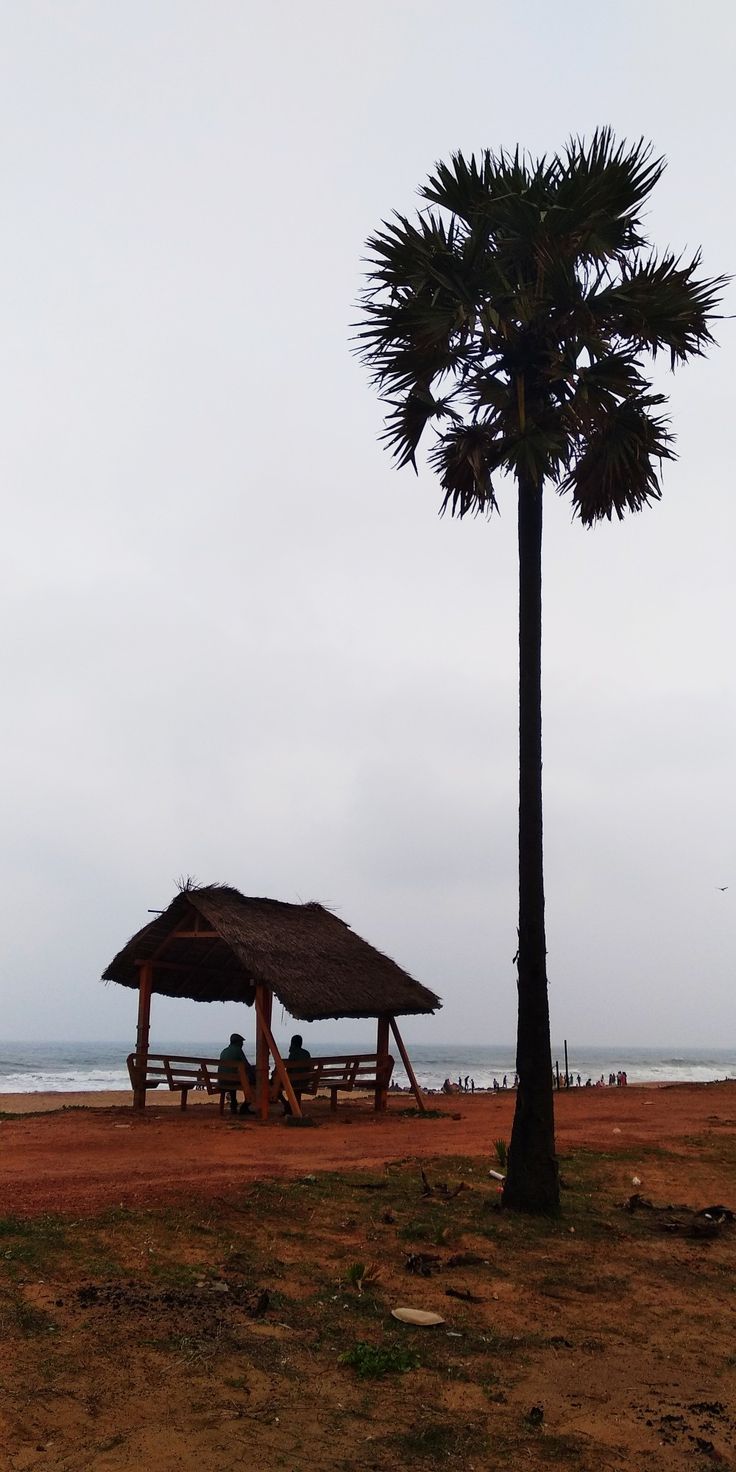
pixel 564 1450
pixel 432 1230
pixel 571 1279
pixel 442 1440
pixel 16 1314
pixel 189 1347
pixel 171 1274
pixel 370 1361
pixel 421 1113
pixel 31 1241
pixel 30 1227
pixel 475 1347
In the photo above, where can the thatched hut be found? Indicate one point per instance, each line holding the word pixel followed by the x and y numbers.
pixel 214 944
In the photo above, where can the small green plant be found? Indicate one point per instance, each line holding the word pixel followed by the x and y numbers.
pixel 502 1153
pixel 363 1275
pixel 370 1361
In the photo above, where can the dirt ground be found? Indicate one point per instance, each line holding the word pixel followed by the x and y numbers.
pixel 85 1155
pixel 179 1289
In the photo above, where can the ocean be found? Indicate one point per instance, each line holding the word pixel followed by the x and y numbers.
pixel 70 1067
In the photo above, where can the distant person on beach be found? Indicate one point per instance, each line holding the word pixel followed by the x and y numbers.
pixel 472 1085
pixel 233 1053
pixel 505 1084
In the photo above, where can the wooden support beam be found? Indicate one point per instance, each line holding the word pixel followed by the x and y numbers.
pixel 145 983
pixel 382 1063
pixel 264 1002
pixel 162 965
pixel 282 1072
pixel 418 1095
pixel 194 935
pixel 171 936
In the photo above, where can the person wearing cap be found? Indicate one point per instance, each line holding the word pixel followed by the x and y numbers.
pixel 233 1053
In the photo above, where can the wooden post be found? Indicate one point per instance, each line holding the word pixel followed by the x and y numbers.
pixel 264 1002
pixel 418 1095
pixel 281 1069
pixel 382 1051
pixel 145 983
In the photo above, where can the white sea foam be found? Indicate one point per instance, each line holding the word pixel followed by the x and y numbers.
pixel 90 1067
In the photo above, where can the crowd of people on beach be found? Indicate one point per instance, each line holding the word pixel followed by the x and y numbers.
pixel 569 1081
pixel 467 1085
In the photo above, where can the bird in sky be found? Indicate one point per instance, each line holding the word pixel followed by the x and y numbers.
pixel 722 887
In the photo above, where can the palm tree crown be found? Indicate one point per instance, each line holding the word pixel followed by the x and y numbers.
pixel 513 316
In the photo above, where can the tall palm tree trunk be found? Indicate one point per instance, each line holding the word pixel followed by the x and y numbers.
pixel 532 1182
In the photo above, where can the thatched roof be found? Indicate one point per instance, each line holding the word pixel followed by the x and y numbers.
pixel 312 961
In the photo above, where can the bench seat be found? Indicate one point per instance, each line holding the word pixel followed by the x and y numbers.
pixel 180 1074
pixel 342 1072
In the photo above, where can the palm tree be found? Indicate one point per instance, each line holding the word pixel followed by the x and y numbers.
pixel 512 315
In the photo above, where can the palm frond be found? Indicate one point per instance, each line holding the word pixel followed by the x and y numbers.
pixel 408 420
pixel 493 192
pixel 660 304
pixel 599 193
pixel 465 457
pixel 616 468
pixel 602 384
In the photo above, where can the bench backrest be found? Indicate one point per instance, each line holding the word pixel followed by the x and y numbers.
pixel 343 1071
pixel 335 1071
pixel 178 1071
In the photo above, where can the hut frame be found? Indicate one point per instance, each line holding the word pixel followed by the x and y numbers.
pixel 215 944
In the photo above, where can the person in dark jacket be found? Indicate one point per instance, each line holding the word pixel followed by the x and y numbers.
pixel 297 1054
pixel 233 1053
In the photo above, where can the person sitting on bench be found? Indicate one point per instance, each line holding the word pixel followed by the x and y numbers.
pixel 233 1053
pixel 297 1054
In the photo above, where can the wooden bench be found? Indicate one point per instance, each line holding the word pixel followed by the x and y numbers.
pixel 343 1071
pixel 180 1074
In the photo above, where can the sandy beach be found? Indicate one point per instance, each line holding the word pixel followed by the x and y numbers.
pixel 78 1151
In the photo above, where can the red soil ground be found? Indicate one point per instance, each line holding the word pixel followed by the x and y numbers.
pixel 89 1151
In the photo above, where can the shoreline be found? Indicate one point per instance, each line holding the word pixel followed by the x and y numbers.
pixel 49 1101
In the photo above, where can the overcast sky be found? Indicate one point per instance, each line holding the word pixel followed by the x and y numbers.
pixel 235 642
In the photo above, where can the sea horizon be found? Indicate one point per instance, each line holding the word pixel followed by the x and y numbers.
pixel 70 1066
